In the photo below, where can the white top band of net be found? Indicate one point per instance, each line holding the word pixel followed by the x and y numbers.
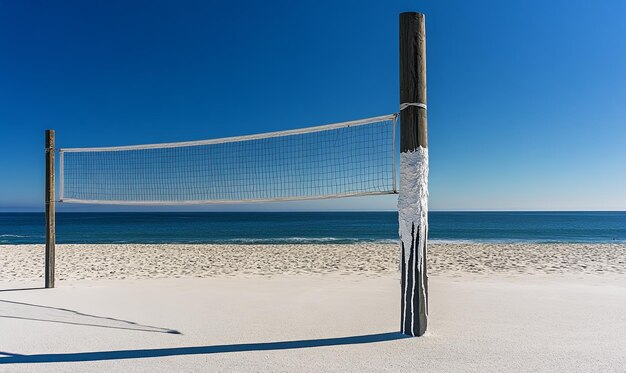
pixel 337 160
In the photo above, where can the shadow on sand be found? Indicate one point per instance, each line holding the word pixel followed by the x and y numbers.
pixel 36 312
pixel 22 289
pixel 198 350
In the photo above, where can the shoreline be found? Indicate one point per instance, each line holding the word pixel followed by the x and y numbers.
pixel 322 241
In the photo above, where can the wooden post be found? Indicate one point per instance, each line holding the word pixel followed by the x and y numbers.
pixel 50 211
pixel 413 194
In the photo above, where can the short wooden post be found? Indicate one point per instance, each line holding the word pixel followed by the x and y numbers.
pixel 50 210
pixel 413 194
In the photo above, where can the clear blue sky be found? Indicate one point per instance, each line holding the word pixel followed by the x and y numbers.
pixel 527 99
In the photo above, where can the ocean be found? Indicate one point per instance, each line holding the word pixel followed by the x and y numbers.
pixel 311 227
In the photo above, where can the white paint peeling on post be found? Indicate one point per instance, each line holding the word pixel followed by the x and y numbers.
pixel 413 223
pixel 413 200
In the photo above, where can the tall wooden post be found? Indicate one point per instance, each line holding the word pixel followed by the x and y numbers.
pixel 50 211
pixel 413 194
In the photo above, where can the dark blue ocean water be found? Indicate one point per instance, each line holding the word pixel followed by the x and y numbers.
pixel 308 227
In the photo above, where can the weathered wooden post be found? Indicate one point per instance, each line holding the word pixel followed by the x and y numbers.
pixel 413 194
pixel 50 211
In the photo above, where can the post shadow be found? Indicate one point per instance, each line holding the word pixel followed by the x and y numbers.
pixel 22 289
pixel 196 350
pixel 129 325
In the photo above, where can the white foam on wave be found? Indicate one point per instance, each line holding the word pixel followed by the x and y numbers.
pixel 285 239
pixel 312 240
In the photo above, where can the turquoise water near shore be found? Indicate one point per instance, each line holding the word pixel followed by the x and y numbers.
pixel 311 227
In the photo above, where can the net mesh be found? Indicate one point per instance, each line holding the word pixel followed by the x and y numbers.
pixel 353 158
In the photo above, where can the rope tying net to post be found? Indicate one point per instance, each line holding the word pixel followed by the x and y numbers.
pixel 416 104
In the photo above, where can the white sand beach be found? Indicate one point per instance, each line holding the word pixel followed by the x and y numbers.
pixel 312 308
pixel 146 261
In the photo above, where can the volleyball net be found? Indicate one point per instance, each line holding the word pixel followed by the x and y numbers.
pixel 337 160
